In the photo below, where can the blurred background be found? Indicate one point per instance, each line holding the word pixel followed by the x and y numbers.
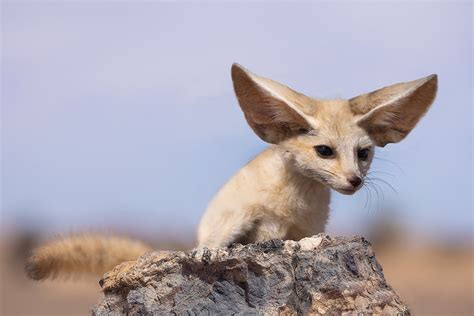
pixel 120 117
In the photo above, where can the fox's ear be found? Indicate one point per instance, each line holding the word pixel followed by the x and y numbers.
pixel 272 110
pixel 390 113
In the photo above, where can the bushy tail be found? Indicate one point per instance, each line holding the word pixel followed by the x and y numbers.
pixel 82 254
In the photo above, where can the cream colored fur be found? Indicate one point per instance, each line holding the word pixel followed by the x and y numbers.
pixel 82 253
pixel 285 191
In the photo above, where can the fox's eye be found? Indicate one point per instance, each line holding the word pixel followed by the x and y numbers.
pixel 324 151
pixel 303 131
pixel 363 154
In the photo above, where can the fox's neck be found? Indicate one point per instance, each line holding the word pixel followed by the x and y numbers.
pixel 288 174
pixel 295 197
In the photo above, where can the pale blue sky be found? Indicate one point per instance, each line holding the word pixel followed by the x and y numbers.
pixel 122 115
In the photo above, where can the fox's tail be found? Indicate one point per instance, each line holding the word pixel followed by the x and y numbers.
pixel 81 254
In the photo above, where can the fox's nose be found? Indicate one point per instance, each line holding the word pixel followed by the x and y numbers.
pixel 355 181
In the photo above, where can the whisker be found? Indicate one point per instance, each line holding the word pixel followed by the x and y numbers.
pixel 385 183
pixel 382 172
pixel 376 189
pixel 390 162
pixel 368 199
pixel 381 192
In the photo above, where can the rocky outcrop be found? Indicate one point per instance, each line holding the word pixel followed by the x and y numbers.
pixel 317 275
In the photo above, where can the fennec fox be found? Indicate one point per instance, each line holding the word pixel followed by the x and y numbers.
pixel 284 192
pixel 316 145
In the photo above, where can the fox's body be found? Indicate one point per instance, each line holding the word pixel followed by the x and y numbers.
pixel 285 191
pixel 266 199
pixel 316 145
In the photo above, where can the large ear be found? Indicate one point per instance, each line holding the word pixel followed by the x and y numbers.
pixel 390 113
pixel 273 111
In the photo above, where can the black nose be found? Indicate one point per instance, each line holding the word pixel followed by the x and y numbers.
pixel 355 181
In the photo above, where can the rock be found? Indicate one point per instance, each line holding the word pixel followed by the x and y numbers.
pixel 317 275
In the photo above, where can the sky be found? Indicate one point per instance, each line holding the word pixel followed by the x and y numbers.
pixel 122 116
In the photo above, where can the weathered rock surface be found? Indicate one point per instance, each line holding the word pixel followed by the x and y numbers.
pixel 317 275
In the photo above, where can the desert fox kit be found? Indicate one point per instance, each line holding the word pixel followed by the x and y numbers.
pixel 316 145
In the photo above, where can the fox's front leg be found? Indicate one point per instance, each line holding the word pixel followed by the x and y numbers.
pixel 244 232
pixel 225 228
pixel 311 226
pixel 271 228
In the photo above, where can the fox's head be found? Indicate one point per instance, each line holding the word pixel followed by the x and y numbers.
pixel 331 141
